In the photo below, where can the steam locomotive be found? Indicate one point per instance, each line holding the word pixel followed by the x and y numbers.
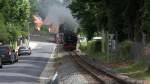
pixel 67 38
pixel 69 41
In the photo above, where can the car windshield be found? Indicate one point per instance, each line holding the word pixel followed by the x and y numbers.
pixel 23 48
pixel 2 49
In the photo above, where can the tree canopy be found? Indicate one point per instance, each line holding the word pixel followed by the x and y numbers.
pixel 15 15
pixel 122 17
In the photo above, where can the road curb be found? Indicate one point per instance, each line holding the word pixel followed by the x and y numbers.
pixel 108 71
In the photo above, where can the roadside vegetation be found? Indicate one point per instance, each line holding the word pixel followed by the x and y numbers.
pixel 121 62
pixel 125 31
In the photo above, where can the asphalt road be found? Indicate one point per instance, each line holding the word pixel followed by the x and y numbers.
pixel 29 69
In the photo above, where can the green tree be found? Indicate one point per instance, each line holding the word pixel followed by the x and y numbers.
pixel 91 15
pixel 16 14
pixel 124 18
pixel 3 32
pixel 17 11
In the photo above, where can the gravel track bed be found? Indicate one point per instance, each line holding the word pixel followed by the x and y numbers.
pixel 70 73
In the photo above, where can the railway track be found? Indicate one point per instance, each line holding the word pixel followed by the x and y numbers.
pixel 96 73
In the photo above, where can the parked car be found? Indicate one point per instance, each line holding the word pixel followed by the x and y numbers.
pixel 8 54
pixel 24 50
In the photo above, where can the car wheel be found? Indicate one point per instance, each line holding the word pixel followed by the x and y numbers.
pixel 29 53
pixel 16 60
pixel 12 59
pixel 1 64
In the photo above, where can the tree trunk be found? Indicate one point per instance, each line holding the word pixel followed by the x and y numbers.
pixel 136 11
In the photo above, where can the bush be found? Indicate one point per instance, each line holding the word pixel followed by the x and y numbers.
pixel 83 46
pixel 125 48
pixel 97 46
pixel 94 46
